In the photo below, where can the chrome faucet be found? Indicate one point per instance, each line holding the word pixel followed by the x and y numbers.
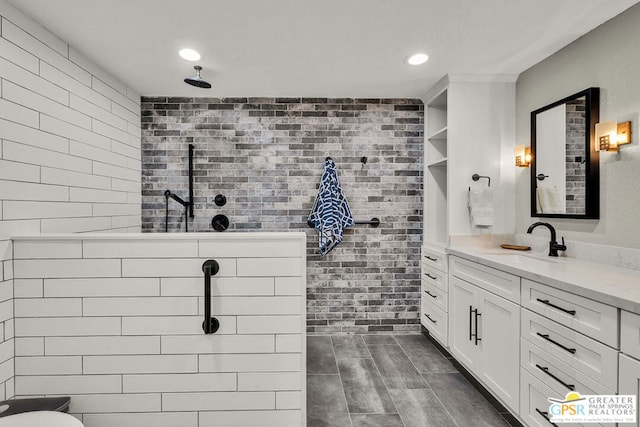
pixel 554 247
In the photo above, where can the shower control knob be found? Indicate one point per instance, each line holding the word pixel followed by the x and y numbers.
pixel 220 200
pixel 220 222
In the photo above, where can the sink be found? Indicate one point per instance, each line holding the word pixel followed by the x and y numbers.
pixel 523 260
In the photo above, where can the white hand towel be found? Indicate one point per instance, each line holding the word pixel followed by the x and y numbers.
pixel 481 206
pixel 548 200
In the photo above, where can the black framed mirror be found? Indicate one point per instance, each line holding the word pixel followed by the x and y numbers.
pixel 565 176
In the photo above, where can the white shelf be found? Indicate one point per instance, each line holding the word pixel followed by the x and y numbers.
pixel 439 164
pixel 439 135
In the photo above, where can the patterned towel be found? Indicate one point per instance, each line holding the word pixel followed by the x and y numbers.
pixel 330 213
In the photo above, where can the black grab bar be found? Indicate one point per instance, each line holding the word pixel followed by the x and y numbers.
pixel 210 324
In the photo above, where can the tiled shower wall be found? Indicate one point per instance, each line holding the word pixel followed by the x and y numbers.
pixel 576 169
pixel 6 321
pixel 266 156
pixel 69 137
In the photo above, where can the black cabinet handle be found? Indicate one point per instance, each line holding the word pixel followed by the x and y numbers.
pixel 430 258
pixel 477 314
pixel 545 415
pixel 430 276
pixel 546 337
pixel 430 294
pixel 210 324
pixel 546 302
pixel 429 317
pixel 470 322
pixel 546 371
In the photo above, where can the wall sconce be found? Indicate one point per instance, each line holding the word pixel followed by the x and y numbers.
pixel 523 156
pixel 611 135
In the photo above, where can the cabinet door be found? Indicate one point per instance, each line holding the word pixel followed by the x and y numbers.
pixel 462 323
pixel 499 331
pixel 629 377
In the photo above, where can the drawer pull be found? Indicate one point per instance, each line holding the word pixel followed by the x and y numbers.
pixel 429 317
pixel 546 337
pixel 545 415
pixel 430 294
pixel 546 371
pixel 430 276
pixel 546 302
pixel 430 258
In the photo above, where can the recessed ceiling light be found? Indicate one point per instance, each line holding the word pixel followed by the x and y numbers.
pixel 189 54
pixel 417 59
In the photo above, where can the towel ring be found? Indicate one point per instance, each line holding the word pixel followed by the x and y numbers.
pixel 476 177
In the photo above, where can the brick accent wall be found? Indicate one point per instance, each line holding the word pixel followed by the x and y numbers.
pixel 266 156
pixel 576 170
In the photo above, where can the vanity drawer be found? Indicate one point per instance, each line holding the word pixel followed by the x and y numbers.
pixel 435 277
pixel 435 320
pixel 594 319
pixel 495 281
pixel 630 333
pixel 556 373
pixel 434 258
pixel 534 406
pixel 593 359
pixel 437 296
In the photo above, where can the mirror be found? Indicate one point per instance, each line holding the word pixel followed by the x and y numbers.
pixel 565 175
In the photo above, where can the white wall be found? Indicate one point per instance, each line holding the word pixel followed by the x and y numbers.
pixel 480 140
pixel 115 322
pixel 69 137
pixel 607 57
pixel 6 320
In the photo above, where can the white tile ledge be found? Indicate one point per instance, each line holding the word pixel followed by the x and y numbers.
pixel 611 285
pixel 227 236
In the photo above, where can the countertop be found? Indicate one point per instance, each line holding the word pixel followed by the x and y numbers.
pixel 615 286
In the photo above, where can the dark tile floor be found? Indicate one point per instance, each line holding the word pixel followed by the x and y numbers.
pixel 389 381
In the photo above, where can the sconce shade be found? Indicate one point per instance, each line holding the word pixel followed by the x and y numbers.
pixel 610 135
pixel 523 156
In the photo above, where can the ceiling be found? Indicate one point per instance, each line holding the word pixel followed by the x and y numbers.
pixel 328 48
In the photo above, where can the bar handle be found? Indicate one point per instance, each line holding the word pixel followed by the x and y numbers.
pixel 545 415
pixel 546 371
pixel 546 302
pixel 546 337
pixel 429 317
pixel 210 324
pixel 430 294
pixel 430 258
pixel 477 314
pixel 430 276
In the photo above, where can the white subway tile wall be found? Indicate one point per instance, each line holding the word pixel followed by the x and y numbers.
pixel 113 323
pixel 69 137
pixel 7 341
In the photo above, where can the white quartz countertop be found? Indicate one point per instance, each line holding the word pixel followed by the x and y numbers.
pixel 610 285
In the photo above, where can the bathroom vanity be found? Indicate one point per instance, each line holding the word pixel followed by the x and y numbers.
pixel 529 327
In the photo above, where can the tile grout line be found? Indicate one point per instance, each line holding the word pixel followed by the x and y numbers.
pixel 430 388
pixel 344 394
pixel 385 384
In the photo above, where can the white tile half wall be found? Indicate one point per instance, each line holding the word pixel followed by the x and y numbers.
pixel 69 137
pixel 114 321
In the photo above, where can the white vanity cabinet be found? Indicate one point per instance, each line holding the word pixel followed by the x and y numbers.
pixel 434 295
pixel 484 328
pixel 629 376
pixel 569 343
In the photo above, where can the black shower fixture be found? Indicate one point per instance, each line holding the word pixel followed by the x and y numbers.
pixel 188 205
pixel 196 80
pixel 220 200
pixel 220 222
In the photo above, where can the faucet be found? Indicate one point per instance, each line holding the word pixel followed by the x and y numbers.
pixel 554 247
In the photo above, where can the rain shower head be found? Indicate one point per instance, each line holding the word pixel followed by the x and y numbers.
pixel 196 80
